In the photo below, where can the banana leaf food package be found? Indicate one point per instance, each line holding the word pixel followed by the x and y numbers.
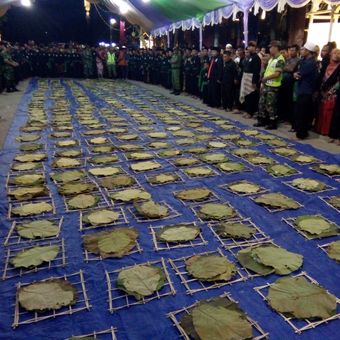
pixel 218 318
pixel 119 181
pixel 32 209
pixel 130 195
pixel 279 170
pixel 328 169
pixel 47 295
pixel 141 280
pixel 308 184
pixel 82 201
pixel 231 166
pixel 267 259
pixel 333 250
pixel 335 202
pixel 244 188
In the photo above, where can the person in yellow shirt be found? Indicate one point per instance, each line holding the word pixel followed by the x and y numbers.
pixel 111 63
pixel 270 85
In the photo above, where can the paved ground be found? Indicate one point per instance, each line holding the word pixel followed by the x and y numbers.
pixel 9 103
pixel 8 106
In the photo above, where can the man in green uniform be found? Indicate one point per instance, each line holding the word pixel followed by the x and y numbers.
pixel 8 69
pixel 271 83
pixel 176 63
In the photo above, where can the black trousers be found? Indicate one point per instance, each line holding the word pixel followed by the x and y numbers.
pixel 303 115
pixel 285 103
pixel 228 96
pixel 214 93
pixel 251 102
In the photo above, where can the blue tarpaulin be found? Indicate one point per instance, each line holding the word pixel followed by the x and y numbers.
pixel 150 320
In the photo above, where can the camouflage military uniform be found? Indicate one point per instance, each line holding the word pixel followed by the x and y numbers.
pixel 176 63
pixel 8 71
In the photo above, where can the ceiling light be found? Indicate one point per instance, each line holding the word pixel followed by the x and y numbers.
pixel 26 3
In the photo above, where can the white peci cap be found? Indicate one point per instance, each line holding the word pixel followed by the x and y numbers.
pixel 310 46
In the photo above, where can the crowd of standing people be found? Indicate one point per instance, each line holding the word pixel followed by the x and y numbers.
pixel 274 84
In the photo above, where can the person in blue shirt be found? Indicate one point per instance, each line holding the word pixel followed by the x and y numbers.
pixel 306 77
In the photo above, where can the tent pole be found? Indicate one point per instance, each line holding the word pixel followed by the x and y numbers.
pixel 331 23
pixel 201 37
pixel 245 27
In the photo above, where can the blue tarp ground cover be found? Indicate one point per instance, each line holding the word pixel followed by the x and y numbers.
pixel 150 321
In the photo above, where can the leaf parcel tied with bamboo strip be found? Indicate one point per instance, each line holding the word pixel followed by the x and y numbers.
pixel 47 295
pixel 209 267
pixel 267 259
pixel 316 226
pixel 217 318
pixel 116 243
pixel 37 229
pixel 35 256
pixel 178 233
pixel 141 280
pixel 298 298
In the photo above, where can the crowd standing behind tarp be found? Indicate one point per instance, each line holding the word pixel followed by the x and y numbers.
pixel 274 84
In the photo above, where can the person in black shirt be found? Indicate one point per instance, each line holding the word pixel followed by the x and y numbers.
pixel 214 79
pixel 229 77
pixel 249 93
pixel 195 72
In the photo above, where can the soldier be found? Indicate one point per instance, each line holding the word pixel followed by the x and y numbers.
pixel 8 69
pixel 187 71
pixel 195 72
pixel 176 63
pixel 88 62
pixel 271 83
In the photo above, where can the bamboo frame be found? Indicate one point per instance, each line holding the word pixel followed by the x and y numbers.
pixel 160 245
pixel 291 222
pixel 225 187
pixel 10 271
pixel 119 300
pixel 22 317
pixel 326 200
pixel 172 214
pixel 229 243
pixel 327 188
pixel 210 199
pixel 98 334
pixel 178 314
pixel 194 285
pixel 86 226
pixel 38 200
pixel 274 210
pixel 293 322
pixel 211 220
pixel 90 257
pixel 13 238
pixel 177 173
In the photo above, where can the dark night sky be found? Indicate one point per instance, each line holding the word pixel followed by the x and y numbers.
pixel 56 20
